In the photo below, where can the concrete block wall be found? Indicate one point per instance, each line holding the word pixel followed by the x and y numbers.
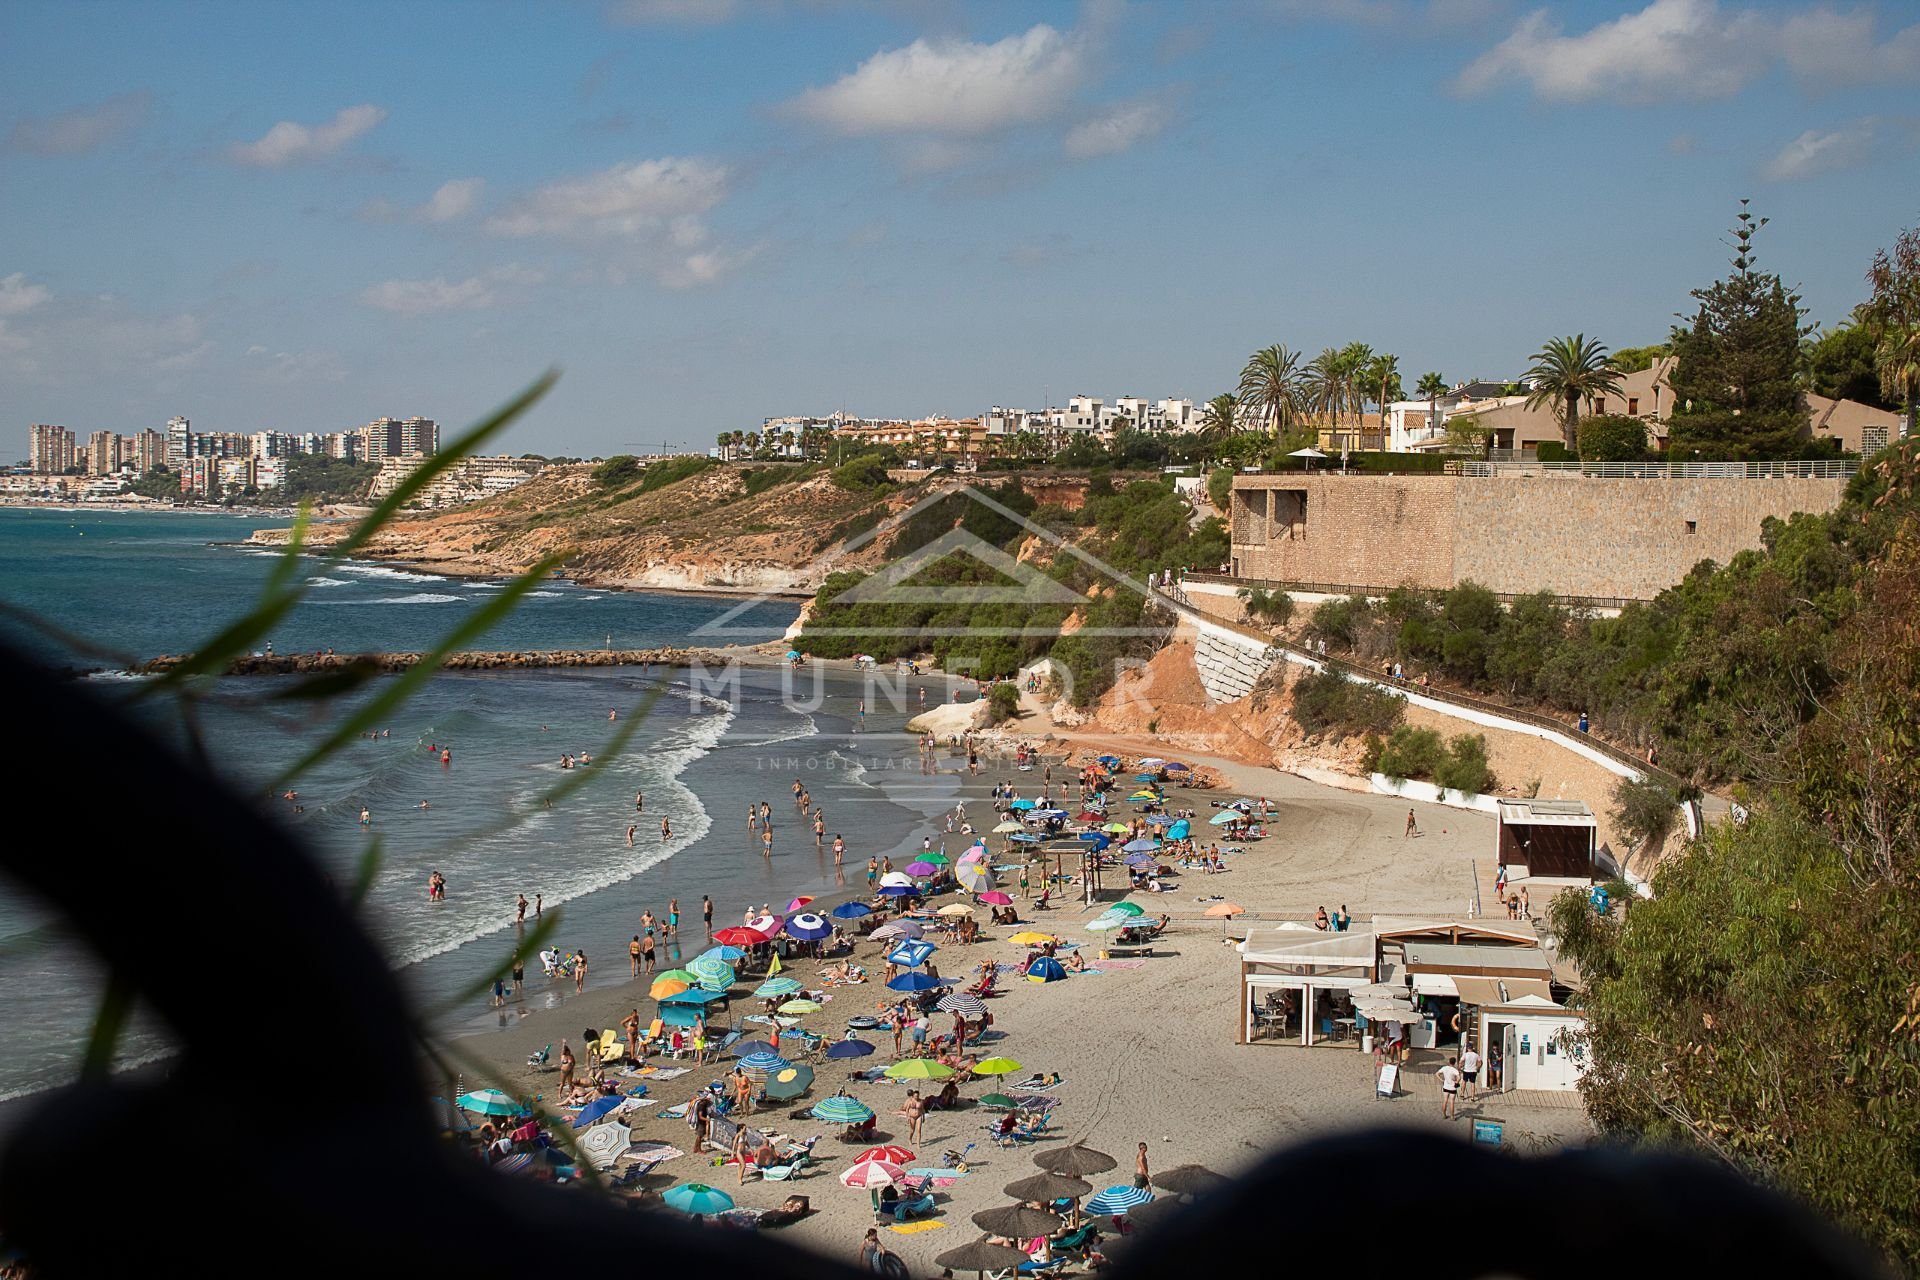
pixel 1229 666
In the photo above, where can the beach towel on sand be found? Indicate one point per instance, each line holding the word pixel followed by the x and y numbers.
pixel 915 1228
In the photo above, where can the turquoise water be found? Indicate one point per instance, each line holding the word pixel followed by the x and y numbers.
pixel 143 584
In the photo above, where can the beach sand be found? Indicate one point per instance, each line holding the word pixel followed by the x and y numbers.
pixel 1146 1051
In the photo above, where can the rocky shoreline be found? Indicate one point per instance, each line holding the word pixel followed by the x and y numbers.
pixel 281 664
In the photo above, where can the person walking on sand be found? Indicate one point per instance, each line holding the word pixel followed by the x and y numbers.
pixel 646 953
pixel 839 848
pixel 633 957
pixel 1413 827
pixel 579 971
pixel 1140 1172
pixel 673 916
pixel 1450 1089
pixel 740 1157
pixel 1470 1071
pixel 520 910
pixel 706 911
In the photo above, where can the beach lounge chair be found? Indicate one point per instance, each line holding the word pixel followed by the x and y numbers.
pixel 797 1156
pixel 540 1059
pixel 1079 1240
pixel 1052 1267
pixel 905 1210
pixel 612 1050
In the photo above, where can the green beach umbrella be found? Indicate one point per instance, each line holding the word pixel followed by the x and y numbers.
pixel 937 859
pixel 1125 909
pixel 840 1109
pixel 773 987
pixel 1108 924
pixel 677 975
pixel 1117 828
pixel 714 975
pixel 800 1006
pixel 996 1067
pixel 998 1101
pixel 920 1069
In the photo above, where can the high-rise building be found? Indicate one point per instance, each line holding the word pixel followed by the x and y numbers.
pixel 179 433
pixel 419 435
pixel 103 453
pixel 149 450
pixel 49 449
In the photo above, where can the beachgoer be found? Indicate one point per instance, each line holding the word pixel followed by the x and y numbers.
pixel 1320 920
pixel 673 917
pixel 566 1066
pixel 1470 1070
pixel 633 957
pixel 706 911
pixel 1413 827
pixel 839 848
pixel 366 816
pixel 579 971
pixel 1140 1173
pixel 631 828
pixel 646 952
pixel 666 830
pixel 537 899
pixel 1449 1089
pixel 520 910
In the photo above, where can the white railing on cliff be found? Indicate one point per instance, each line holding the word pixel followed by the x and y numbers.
pixel 1826 469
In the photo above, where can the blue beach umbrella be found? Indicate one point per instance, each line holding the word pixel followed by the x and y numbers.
pixel 776 987
pixel 1115 1201
pixel 1159 819
pixel 595 1109
pixel 1096 838
pixel 1146 777
pixel 1180 830
pixel 1140 846
pixel 1108 760
pixel 911 954
pixel 898 890
pixel 808 927
pixel 761 1065
pixel 714 974
pixel 724 954
pixel 697 1198
pixel 840 1109
pixel 1022 804
pixel 747 1048
pixel 849 1048
pixel 1141 860
pixel 488 1102
pixel 915 982
pixel 851 911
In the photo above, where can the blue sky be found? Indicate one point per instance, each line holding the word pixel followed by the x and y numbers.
pixel 712 211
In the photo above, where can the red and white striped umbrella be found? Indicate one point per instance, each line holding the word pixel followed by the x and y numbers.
pixel 871 1174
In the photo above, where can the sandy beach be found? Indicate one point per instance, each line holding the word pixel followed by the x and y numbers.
pixel 1145 1048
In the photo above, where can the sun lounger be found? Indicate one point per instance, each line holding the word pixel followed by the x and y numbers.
pixel 905 1210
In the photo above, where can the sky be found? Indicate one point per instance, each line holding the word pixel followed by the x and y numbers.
pixel 710 212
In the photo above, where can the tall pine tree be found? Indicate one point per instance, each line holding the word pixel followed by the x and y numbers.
pixel 1736 389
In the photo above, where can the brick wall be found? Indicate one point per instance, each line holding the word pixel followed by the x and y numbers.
pixel 1572 535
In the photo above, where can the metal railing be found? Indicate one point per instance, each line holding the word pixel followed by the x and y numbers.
pixel 1826 469
pixel 1378 592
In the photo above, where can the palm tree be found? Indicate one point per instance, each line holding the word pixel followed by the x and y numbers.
pixel 1567 371
pixel 1893 318
pixel 724 439
pixel 1270 388
pixel 1220 418
pixel 1326 386
pixel 1430 388
pixel 1355 357
pixel 1384 373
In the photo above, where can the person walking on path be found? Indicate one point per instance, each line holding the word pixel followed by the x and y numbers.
pixel 1450 1090
pixel 1470 1071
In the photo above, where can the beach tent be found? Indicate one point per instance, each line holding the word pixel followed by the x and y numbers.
pixel 1180 830
pixel 1045 969
pixel 911 954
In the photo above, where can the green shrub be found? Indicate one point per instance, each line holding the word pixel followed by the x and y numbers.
pixel 1465 769
pixel 1612 437
pixel 1554 451
pixel 1003 704
pixel 855 525
pixel 864 473
pixel 672 471
pixel 1275 607
pixel 1326 702
pixel 1643 809
pixel 760 479
pixel 1341 621
pixel 619 470
pixel 1412 753
pixel 1220 488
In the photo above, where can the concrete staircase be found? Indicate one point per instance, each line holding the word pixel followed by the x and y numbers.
pixel 1229 665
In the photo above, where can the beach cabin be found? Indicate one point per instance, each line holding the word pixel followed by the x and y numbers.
pixel 1554 842
pixel 1296 984
pixel 1538 1039
pixel 1433 957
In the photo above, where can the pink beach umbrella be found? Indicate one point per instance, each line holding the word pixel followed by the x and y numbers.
pixel 997 898
pixel 767 925
pixel 796 904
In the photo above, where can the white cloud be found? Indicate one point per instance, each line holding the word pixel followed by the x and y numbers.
pixel 450 202
pixel 515 273
pixel 1119 127
pixel 1815 152
pixel 83 128
pixel 290 143
pixel 1395 13
pixel 1691 49
pixel 626 200
pixel 17 297
pixel 951 86
pixel 420 297
pixel 295 366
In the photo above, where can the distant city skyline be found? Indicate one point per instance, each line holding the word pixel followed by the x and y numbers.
pixel 712 212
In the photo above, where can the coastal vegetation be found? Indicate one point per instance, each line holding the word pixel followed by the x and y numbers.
pixel 1328 703
pixel 1453 764
pixel 318 478
pixel 1566 371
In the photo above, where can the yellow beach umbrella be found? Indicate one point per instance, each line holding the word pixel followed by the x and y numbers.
pixel 956 909
pixel 800 1006
pixel 1028 938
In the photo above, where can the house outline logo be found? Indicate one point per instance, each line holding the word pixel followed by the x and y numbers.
pixel 893 583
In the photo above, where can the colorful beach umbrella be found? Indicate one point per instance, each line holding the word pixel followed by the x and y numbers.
pixel 798 1007
pixel 808 927
pixel 851 911
pixel 920 868
pixel 1142 845
pixel 998 1102
pixel 840 1109
pixel 725 954
pixel 1021 805
pixel 973 877
pixel 870 1175
pixel 747 1048
pixel 1007 828
pixel 773 988
pixel 488 1102
pixel 896 878
pixel 849 1048
pixel 1107 924
pixel 1117 828
pixel 1116 1200
pixel 693 998
pixel 955 909
pixel 1224 911
pixel 764 925
pixel 898 890
pixel 996 898
pixel 911 953
pixel 712 973
pixel 1031 938
pixel 697 1198
pixel 740 936
pixel 1180 830
pixel 937 858
pixel 789 1082
pixel 675 975
pixel 996 1067
pixel 890 1153
pixel 1224 817
pixel 1125 909
pixel 664 987
pixel 898 929
pixel 763 1064
pixel 961 1003
pixel 797 903
pixel 919 1069
pixel 595 1109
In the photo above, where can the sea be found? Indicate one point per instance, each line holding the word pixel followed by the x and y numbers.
pixel 106 587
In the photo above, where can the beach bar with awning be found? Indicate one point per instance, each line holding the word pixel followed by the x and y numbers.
pixel 1296 984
